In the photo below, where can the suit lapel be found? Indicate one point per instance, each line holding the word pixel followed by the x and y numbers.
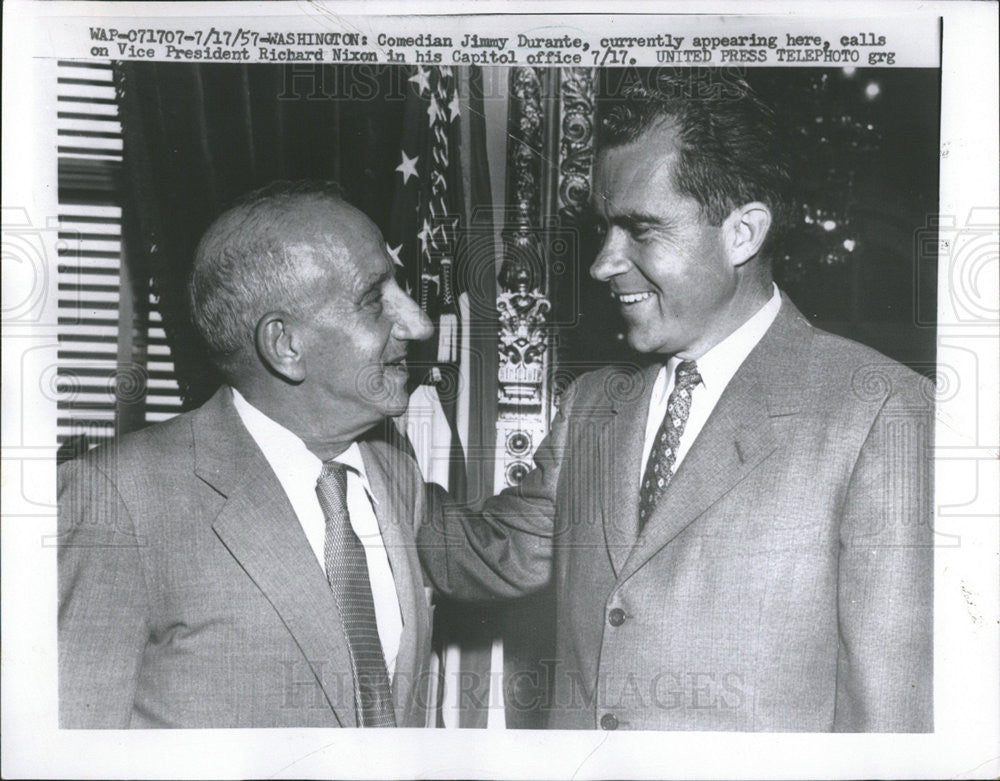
pixel 736 438
pixel 257 525
pixel 621 474
pixel 394 510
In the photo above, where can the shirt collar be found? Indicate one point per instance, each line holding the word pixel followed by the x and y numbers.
pixel 718 365
pixel 352 459
pixel 287 453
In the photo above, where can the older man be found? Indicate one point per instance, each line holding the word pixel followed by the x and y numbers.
pixel 251 563
pixel 738 536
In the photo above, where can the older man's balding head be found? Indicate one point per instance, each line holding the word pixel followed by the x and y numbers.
pixel 245 264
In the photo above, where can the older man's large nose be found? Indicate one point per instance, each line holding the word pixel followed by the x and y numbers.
pixel 409 321
pixel 613 259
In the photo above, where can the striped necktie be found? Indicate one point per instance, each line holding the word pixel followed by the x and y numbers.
pixel 660 465
pixel 347 572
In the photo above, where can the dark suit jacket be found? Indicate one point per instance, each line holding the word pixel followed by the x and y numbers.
pixel 189 596
pixel 785 579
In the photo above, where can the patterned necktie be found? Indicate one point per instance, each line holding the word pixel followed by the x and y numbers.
pixel 347 572
pixel 660 465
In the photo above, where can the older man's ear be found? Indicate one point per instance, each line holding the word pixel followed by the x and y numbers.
pixel 280 346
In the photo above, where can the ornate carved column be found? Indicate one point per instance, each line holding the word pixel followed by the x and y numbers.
pixel 522 306
pixel 550 151
pixel 577 87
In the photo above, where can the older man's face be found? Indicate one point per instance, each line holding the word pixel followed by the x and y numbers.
pixel 665 264
pixel 358 332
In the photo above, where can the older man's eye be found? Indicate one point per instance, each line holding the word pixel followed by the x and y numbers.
pixel 372 300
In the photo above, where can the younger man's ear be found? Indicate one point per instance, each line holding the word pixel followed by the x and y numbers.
pixel 745 229
pixel 279 346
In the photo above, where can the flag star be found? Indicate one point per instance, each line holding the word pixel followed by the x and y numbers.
pixel 408 167
pixel 432 111
pixel 394 253
pixel 424 235
pixel 421 80
pixel 454 108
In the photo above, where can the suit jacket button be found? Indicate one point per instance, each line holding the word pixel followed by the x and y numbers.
pixel 609 721
pixel 616 616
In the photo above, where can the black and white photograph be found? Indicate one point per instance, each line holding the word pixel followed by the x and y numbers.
pixel 517 380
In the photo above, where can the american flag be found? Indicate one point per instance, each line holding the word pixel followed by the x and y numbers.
pixel 425 221
pixel 422 238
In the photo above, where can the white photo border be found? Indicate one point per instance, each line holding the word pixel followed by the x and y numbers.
pixel 967 586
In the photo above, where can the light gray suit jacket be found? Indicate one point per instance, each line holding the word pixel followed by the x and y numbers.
pixel 785 579
pixel 189 595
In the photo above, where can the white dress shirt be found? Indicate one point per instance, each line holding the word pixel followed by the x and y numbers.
pixel 716 368
pixel 298 469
